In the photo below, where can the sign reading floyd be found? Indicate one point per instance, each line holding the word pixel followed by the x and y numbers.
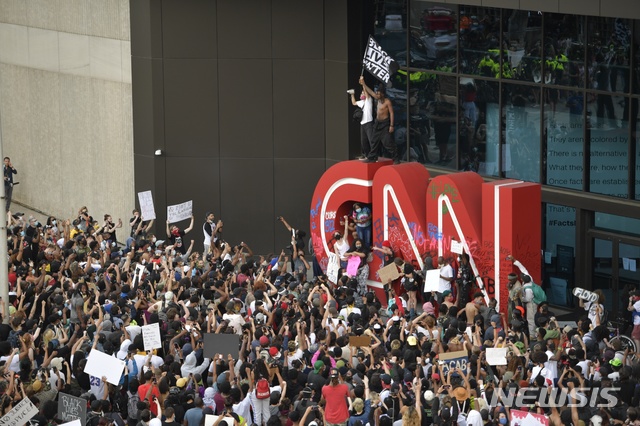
pixel 422 217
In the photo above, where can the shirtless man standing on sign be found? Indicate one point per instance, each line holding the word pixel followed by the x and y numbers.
pixel 383 126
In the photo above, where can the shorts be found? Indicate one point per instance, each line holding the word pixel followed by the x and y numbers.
pixel 636 332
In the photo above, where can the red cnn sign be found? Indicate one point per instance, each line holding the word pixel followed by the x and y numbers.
pixel 421 215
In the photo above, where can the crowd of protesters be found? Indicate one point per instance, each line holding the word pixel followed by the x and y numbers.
pixel 74 289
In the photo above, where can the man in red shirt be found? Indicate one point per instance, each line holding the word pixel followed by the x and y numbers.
pixel 148 390
pixel 337 401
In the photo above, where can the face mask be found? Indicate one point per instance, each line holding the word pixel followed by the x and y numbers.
pixel 33 271
pixel 358 210
pixel 154 239
pixel 148 249
pixel 458 259
pixel 552 347
pixel 53 222
pixel 358 247
pixel 503 420
pixel 337 236
pixel 22 233
pixel 60 313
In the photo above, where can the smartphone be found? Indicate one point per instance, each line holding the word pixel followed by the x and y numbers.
pixel 220 357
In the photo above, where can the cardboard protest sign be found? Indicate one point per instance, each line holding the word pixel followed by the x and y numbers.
pixel 147 210
pixel 525 418
pixel 496 356
pixel 223 344
pixel 333 267
pixel 586 295
pixel 432 280
pixel 388 273
pixel 151 336
pixel 352 266
pixel 100 364
pixel 72 408
pixel 20 414
pixel 359 341
pixel 179 212
pixel 453 360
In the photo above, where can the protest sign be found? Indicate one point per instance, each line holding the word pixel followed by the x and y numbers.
pixel 151 336
pixel 223 344
pixel 352 266
pixel 388 273
pixel 456 247
pixel 333 267
pixel 147 210
pixel 100 364
pixel 453 360
pixel 20 414
pixel 432 280
pixel 179 212
pixel 76 422
pixel 496 356
pixel 210 419
pixel 525 418
pixel 378 62
pixel 137 277
pixel 72 408
pixel 358 341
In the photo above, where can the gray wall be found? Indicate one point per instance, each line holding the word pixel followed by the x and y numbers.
pixel 246 98
pixel 65 105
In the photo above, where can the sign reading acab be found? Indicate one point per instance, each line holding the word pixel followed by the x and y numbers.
pixel 420 216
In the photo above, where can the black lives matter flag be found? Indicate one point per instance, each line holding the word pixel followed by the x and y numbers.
pixel 378 62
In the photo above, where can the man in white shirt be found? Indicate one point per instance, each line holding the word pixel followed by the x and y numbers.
pixel 634 308
pixel 446 277
pixel 366 123
pixel 209 230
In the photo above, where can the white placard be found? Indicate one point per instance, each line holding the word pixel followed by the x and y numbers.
pixel 179 212
pixel 20 414
pixel 100 364
pixel 75 422
pixel 147 210
pixel 625 263
pixel 456 247
pixel 496 356
pixel 333 267
pixel 151 337
pixel 432 280
pixel 210 419
pixel 137 278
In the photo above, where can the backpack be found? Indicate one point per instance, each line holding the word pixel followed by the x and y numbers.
pixel 162 312
pixel 262 389
pixel 132 405
pixel 539 294
pixel 92 419
pixel 120 404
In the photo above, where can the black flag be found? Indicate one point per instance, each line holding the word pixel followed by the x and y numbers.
pixel 378 62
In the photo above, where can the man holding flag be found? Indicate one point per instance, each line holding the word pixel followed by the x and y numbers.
pixel 383 126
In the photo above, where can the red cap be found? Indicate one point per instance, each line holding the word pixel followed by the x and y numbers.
pixel 435 376
pixel 386 243
pixel 273 351
pixel 264 340
pixel 521 309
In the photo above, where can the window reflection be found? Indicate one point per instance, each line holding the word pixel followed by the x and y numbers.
pixel 522 45
pixel 521 126
pixel 478 125
pixel 564 49
pixel 608 54
pixel 434 35
pixel 480 41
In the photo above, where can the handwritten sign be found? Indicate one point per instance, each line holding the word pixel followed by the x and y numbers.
pixel 72 408
pixel 333 267
pixel 456 247
pixel 358 341
pixel 147 209
pixel 20 414
pixel 151 336
pixel 432 280
pixel 453 360
pixel 179 212
pixel 497 356
pixel 352 266
pixel 388 273
pixel 100 364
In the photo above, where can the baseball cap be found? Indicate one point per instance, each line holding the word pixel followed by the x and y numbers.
pixel 615 362
pixel 596 420
pixel 274 352
pixel 446 293
pixel 567 329
pixel 429 396
pixel 412 341
pixel 264 340
pixel 334 373
pixel 495 318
